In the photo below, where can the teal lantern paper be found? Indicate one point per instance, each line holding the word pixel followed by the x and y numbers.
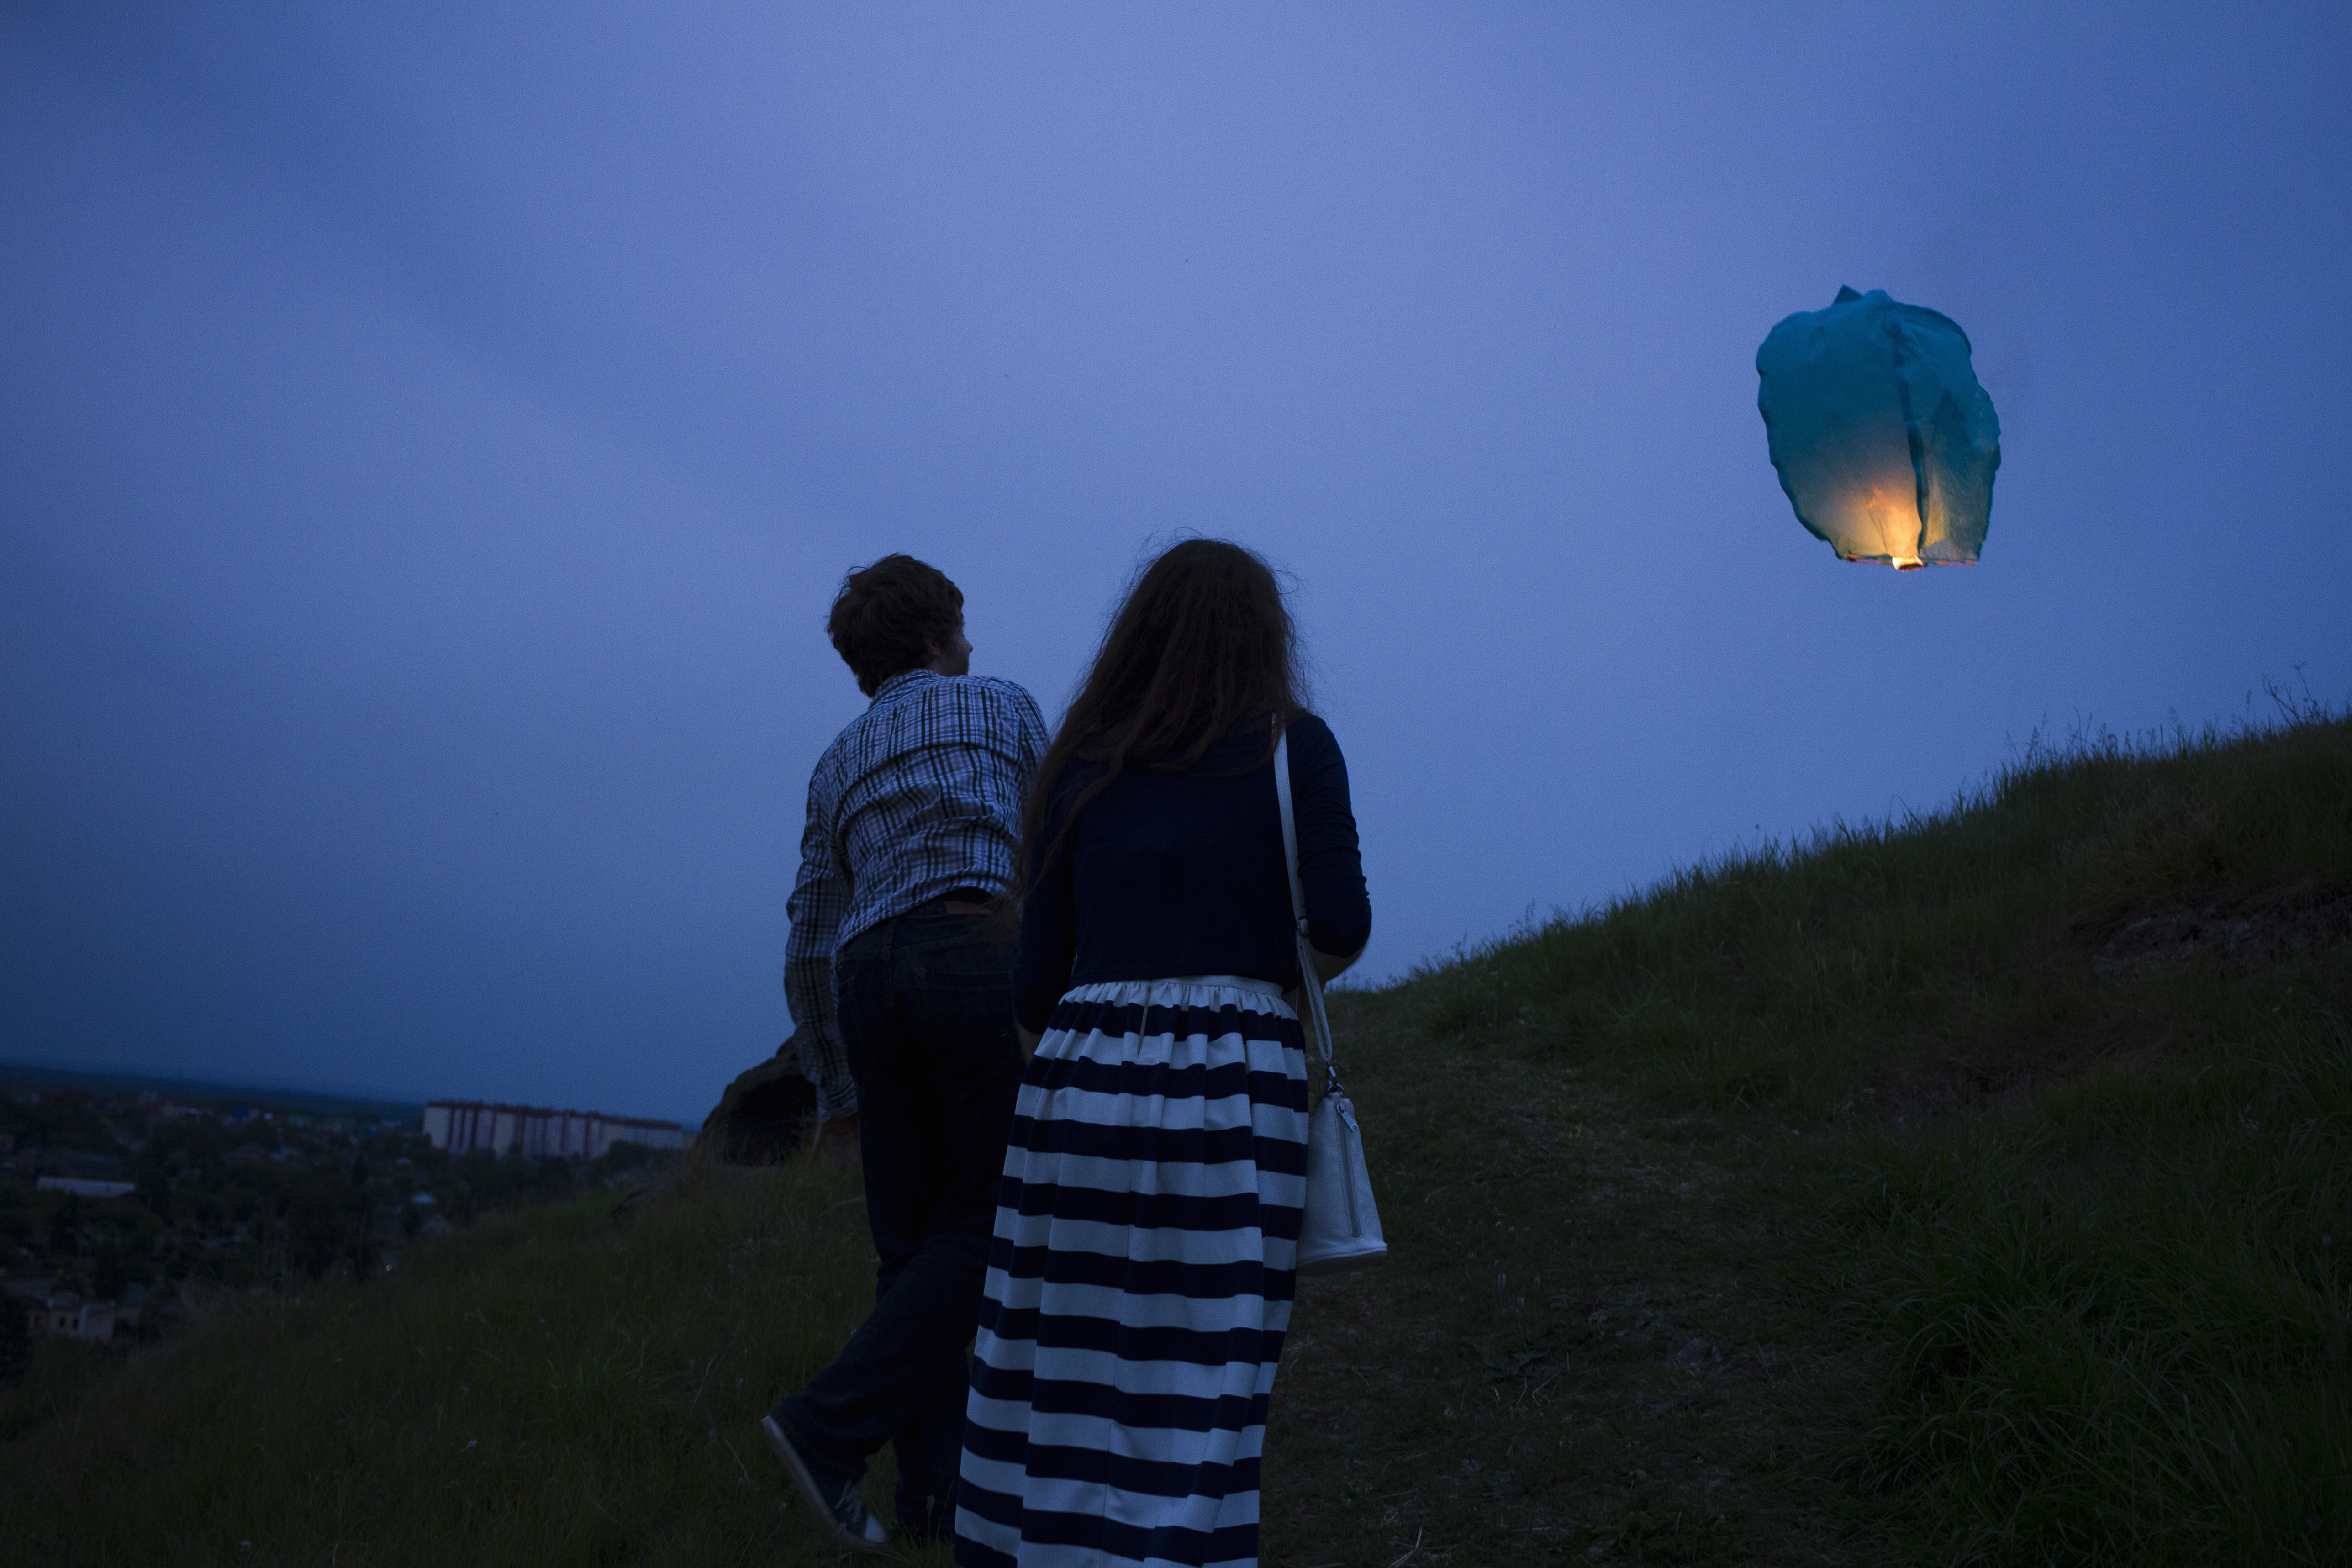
pixel 1883 441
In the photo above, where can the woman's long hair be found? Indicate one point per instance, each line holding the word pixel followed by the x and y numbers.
pixel 1202 646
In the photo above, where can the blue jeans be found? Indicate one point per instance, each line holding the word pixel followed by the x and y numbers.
pixel 926 1014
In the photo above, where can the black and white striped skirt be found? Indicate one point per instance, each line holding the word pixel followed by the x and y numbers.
pixel 1139 1283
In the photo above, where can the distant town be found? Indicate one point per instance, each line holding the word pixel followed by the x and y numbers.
pixel 119 1207
pixel 471 1126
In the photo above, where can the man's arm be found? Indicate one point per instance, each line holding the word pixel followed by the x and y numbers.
pixel 1033 743
pixel 819 899
pixel 1033 740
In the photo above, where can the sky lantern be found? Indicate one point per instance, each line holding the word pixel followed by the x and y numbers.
pixel 1883 439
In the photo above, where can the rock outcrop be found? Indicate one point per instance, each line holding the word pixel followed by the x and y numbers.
pixel 764 1115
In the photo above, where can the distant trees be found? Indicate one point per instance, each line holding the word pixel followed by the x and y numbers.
pixel 111 1272
pixel 619 1155
pixel 155 1182
pixel 60 1118
pixel 317 1229
pixel 19 1220
pixel 16 1339
pixel 473 1185
pixel 247 1197
pixel 65 1227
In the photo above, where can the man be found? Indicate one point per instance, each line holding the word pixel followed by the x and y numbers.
pixel 900 982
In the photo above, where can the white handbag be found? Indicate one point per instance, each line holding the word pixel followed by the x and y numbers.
pixel 1341 1228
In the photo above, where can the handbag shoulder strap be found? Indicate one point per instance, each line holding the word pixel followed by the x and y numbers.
pixel 1310 984
pixel 1289 828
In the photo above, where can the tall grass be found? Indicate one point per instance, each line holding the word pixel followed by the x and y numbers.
pixel 2121 1318
pixel 1938 956
pixel 551 1387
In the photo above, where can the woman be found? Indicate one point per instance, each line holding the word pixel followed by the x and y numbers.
pixel 1140 1281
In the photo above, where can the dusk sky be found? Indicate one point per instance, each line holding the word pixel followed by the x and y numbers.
pixel 432 435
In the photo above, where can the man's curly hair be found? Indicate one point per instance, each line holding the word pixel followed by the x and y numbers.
pixel 893 616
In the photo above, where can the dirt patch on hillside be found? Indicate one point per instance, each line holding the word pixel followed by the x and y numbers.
pixel 2282 926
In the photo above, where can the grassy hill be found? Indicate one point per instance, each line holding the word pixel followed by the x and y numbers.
pixel 1973 1188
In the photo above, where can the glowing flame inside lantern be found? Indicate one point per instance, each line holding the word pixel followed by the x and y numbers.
pixel 1881 522
pixel 1885 443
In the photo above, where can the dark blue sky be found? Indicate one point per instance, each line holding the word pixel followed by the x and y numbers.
pixel 432 435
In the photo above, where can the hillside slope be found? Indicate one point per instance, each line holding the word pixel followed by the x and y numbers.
pixel 1974 1188
pixel 1969 1189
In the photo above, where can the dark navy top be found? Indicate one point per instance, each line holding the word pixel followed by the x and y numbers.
pixel 1167 874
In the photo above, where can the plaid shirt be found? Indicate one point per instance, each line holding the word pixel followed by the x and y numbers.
pixel 922 794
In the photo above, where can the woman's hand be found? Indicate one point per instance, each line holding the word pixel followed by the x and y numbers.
pixel 1326 968
pixel 1028 1040
pixel 837 1140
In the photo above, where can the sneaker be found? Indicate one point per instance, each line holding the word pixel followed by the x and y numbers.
pixel 851 1521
